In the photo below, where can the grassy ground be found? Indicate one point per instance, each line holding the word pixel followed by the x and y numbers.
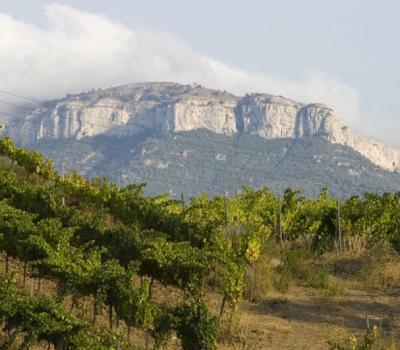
pixel 308 315
pixel 302 319
pixel 323 299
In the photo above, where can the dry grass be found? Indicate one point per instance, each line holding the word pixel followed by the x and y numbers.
pixel 385 276
pixel 306 315
pixel 356 245
pixel 327 300
pixel 260 278
pixel 302 320
pixel 382 271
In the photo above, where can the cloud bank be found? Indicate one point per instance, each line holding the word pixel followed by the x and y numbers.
pixel 78 51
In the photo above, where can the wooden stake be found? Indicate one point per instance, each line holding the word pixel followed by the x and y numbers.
pixel 338 228
pixel 110 316
pixel 225 211
pixel 279 224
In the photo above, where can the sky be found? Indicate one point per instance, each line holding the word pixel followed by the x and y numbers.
pixel 344 53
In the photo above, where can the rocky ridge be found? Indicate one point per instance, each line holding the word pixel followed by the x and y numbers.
pixel 170 107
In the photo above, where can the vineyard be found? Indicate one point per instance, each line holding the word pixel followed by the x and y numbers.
pixel 90 265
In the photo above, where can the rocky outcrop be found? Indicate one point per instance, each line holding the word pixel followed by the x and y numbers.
pixel 319 120
pixel 315 120
pixel 158 107
pixel 267 116
pixel 171 107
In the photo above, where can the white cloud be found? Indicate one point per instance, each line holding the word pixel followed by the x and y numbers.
pixel 79 51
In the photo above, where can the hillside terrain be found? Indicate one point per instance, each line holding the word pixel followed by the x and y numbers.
pixel 186 139
pixel 171 107
pixel 87 264
pixel 202 161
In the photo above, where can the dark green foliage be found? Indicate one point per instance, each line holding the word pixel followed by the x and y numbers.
pixel 193 325
pixel 35 319
pixel 97 240
pixel 93 238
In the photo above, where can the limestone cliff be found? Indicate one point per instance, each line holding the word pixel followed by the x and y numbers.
pixel 172 107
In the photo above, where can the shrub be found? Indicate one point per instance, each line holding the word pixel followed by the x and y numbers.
pixel 368 342
pixel 318 279
pixel 260 277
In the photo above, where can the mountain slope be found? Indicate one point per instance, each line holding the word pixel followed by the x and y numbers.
pixel 195 161
pixel 160 108
pixel 189 139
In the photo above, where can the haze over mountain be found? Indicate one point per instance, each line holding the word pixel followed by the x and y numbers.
pixel 166 126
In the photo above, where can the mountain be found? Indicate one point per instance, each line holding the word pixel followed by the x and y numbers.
pixel 186 139
pixel 171 107
pixel 191 162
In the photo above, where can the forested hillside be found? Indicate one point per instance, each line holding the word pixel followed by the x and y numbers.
pixel 90 265
pixel 190 163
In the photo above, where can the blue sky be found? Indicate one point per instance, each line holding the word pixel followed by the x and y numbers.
pixel 342 53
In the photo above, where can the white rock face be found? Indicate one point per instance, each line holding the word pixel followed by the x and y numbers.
pixel 171 107
pixel 267 116
pixel 194 113
pixel 159 107
pixel 318 120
